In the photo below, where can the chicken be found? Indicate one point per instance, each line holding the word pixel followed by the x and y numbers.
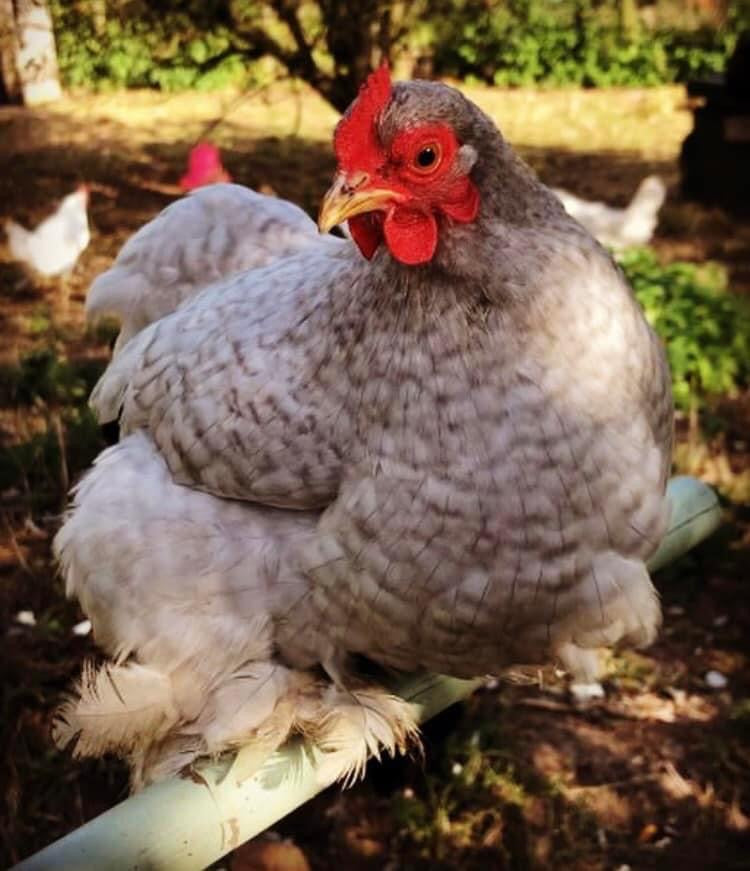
pixel 620 228
pixel 215 232
pixel 441 446
pixel 54 246
pixel 204 167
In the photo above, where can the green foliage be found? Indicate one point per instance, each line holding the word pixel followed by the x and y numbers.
pixel 182 44
pixel 569 42
pixel 166 46
pixel 478 800
pixel 53 393
pixel 43 377
pixel 705 328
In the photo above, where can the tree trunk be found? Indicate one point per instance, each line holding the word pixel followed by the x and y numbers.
pixel 36 59
pixel 10 85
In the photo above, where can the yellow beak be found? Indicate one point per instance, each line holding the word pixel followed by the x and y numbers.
pixel 346 197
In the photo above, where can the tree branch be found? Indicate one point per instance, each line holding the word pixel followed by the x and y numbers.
pixel 298 61
pixel 302 61
pixel 288 14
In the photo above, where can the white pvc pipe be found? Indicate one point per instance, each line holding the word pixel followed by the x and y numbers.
pixel 186 823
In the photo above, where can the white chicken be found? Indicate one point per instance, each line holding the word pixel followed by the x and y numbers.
pixel 619 228
pixel 53 247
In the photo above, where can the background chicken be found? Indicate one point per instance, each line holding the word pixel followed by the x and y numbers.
pixel 204 167
pixel 620 228
pixel 53 247
pixel 449 453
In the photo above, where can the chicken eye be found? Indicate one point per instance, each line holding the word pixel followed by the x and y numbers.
pixel 427 158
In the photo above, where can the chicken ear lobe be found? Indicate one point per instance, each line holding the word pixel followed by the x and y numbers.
pixel 411 236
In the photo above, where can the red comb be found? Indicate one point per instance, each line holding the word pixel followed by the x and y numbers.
pixel 355 142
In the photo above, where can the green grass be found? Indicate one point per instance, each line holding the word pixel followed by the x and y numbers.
pixel 705 328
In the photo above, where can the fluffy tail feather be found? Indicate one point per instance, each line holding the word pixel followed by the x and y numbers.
pixel 116 708
pixel 650 194
pixel 642 214
pixel 18 240
pixel 136 712
pixel 149 716
pixel 350 727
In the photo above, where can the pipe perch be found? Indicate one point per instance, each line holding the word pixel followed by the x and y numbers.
pixel 186 823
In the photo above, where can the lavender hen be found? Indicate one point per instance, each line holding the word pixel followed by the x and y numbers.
pixel 443 446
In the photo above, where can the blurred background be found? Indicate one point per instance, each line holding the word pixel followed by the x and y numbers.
pixel 638 113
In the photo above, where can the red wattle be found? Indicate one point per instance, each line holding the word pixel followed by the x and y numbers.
pixel 411 235
pixel 367 232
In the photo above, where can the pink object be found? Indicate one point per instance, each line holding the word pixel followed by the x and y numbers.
pixel 204 167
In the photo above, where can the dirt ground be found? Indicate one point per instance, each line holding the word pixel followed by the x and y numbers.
pixel 656 775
